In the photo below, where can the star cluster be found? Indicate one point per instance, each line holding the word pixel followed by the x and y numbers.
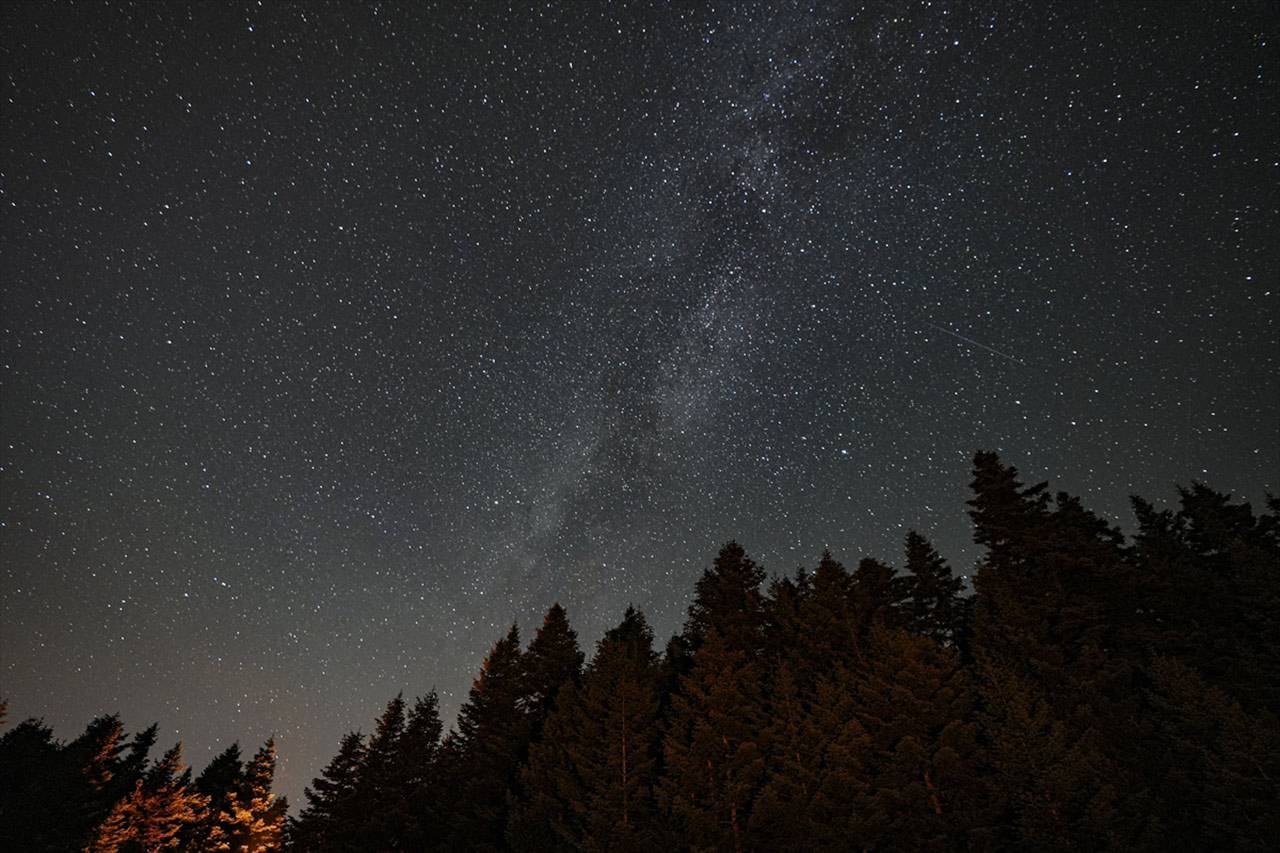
pixel 337 337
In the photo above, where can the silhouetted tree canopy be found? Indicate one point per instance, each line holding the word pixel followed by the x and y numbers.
pixel 1091 692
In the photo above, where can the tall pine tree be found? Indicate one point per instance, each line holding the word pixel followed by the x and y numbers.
pixel 330 821
pixel 935 606
pixel 552 661
pixel 252 819
pixel 483 755
pixel 589 782
pixel 727 600
pixel 712 748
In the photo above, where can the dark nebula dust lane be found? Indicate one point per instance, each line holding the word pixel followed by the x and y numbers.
pixel 336 338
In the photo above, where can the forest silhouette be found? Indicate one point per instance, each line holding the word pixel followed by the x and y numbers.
pixel 1088 691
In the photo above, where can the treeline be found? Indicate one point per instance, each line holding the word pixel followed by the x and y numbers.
pixel 1091 692
pixel 101 793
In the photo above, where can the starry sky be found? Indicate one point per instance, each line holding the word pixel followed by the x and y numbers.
pixel 337 337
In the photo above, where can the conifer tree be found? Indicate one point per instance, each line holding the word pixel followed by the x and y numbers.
pixel 1051 785
pixel 1216 569
pixel 1216 764
pixel 95 757
pixel 714 761
pixel 39 790
pixel 878 595
pixel 380 801
pixel 913 701
pixel 828 631
pixel 552 661
pixel 1052 665
pixel 152 816
pixel 483 755
pixel 784 609
pixel 728 600
pixel 934 607
pixel 588 784
pixel 782 810
pixel 838 745
pixel 133 762
pixel 1039 611
pixel 416 772
pixel 252 820
pixel 329 821
pixel 219 779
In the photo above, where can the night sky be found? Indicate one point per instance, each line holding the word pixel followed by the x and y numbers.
pixel 335 338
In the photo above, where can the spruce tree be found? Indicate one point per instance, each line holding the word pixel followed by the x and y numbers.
pixel 1215 764
pixel 39 791
pixel 379 799
pixel 1216 568
pixel 552 660
pixel 837 751
pixel 727 600
pixel 252 819
pixel 935 594
pixel 1050 784
pixel 781 813
pixel 784 610
pixel 133 762
pixel 482 757
pixel 417 773
pixel 589 782
pixel 914 702
pixel 219 779
pixel 878 595
pixel 1052 662
pixel 828 633
pixel 330 821
pixel 95 757
pixel 712 749
pixel 153 815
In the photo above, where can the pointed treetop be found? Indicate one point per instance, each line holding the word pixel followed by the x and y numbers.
pixel 728 600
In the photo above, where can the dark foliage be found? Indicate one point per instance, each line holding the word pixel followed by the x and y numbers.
pixel 1092 693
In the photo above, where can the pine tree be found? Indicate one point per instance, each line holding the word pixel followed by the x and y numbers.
pixel 588 784
pixel 552 661
pixel 416 772
pixel 1216 764
pixel 481 759
pixel 782 811
pixel 380 801
pixel 935 607
pixel 784 608
pixel 878 595
pixel 1215 567
pixel 39 791
pixel 252 820
pixel 913 701
pixel 95 755
pixel 728 600
pixel 828 633
pixel 220 778
pixel 714 761
pixel 329 821
pixel 152 816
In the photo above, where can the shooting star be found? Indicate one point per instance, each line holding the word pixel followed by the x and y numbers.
pixel 978 344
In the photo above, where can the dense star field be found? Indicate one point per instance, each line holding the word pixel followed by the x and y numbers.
pixel 336 338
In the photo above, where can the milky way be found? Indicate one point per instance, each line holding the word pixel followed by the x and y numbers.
pixel 336 338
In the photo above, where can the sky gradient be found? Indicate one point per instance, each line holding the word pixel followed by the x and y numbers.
pixel 335 338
